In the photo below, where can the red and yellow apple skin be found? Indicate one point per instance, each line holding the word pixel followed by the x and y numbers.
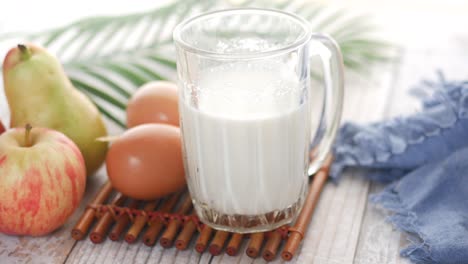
pixel 2 128
pixel 41 184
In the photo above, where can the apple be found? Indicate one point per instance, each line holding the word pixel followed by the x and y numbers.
pixel 42 180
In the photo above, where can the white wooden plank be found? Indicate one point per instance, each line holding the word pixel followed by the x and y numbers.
pixel 195 256
pixel 377 236
pixel 156 255
pixel 205 258
pixel 334 230
pixel 347 231
pixel 169 256
pixel 121 252
pixel 189 256
pixel 105 255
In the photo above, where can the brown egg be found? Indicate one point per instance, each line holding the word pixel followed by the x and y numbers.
pixel 146 162
pixel 154 102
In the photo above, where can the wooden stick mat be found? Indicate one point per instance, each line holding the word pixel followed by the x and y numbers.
pixel 174 222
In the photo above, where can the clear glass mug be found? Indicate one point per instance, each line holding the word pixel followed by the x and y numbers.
pixel 245 114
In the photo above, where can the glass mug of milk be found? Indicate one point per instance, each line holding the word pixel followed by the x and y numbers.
pixel 245 114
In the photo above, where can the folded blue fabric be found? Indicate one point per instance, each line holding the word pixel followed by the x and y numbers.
pixel 431 203
pixel 403 144
pixel 426 157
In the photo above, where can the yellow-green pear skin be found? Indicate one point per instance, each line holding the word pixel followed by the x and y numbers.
pixel 39 93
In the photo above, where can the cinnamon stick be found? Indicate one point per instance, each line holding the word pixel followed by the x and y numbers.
pixel 173 227
pixel 296 233
pixel 203 239
pixel 122 223
pixel 185 235
pixel 155 227
pixel 271 246
pixel 140 222
pixel 234 244
pixel 102 226
pixel 218 242
pixel 255 243
pixel 82 226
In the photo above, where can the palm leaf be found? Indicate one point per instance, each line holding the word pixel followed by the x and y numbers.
pixel 108 57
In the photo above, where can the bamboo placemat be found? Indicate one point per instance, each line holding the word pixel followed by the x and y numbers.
pixel 173 220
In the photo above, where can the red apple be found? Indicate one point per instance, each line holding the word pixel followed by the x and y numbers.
pixel 42 180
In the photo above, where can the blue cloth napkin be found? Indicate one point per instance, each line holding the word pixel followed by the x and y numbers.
pixel 425 155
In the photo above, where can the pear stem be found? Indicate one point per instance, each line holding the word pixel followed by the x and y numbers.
pixel 27 135
pixel 25 52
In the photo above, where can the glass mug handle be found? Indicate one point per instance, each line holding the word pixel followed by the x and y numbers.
pixel 332 63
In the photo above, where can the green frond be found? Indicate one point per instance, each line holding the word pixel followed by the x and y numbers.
pixel 108 57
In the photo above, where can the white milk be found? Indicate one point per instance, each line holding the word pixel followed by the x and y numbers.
pixel 246 142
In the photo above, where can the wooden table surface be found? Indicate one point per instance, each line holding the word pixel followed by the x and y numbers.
pixel 345 228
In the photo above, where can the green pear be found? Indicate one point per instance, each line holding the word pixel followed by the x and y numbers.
pixel 39 93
